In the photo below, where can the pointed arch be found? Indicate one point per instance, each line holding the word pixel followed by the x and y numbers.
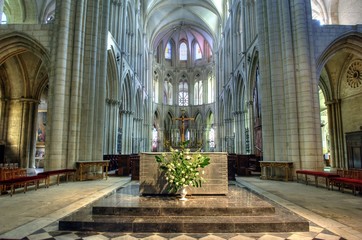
pixel 338 97
pixel 126 103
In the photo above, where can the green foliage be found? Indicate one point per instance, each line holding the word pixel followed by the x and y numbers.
pixel 182 168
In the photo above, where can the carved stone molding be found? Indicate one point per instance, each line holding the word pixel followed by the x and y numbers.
pixel 354 74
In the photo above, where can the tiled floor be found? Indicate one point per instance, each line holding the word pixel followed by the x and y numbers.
pixel 34 215
pixel 51 232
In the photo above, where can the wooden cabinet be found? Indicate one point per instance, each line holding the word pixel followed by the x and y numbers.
pixel 231 166
pixel 354 149
pixel 245 164
pixel 135 166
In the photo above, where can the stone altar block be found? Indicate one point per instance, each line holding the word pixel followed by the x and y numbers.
pixel 216 175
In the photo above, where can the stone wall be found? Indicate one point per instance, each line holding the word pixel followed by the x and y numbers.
pixel 215 175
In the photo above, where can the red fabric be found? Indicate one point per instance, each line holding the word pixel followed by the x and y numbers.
pixel 317 173
pixel 348 180
pixel 55 172
pixel 21 179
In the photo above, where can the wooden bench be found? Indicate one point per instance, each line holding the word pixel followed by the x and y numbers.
pixel 316 174
pixel 342 182
pixel 22 181
pixel 58 173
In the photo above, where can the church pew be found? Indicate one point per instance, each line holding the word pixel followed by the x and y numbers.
pixel 58 173
pixel 22 181
pixel 343 182
pixel 348 178
pixel 316 175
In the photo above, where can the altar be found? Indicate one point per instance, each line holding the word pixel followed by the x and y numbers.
pixel 216 175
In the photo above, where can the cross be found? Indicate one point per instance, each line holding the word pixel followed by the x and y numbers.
pixel 183 119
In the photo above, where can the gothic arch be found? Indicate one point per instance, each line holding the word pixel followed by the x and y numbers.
pixel 138 103
pixel 112 98
pixel 340 62
pixel 197 138
pixel 173 51
pixel 126 103
pixel 350 43
pixel 320 11
pixel 238 29
pixel 254 104
pixel 325 84
pixel 112 76
pixel 24 67
pixel 156 127
pixel 168 87
pixel 229 104
pixel 16 43
pixel 239 92
pixel 30 11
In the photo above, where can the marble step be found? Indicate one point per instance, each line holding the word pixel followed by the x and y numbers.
pixel 239 211
pixel 185 211
pixel 185 224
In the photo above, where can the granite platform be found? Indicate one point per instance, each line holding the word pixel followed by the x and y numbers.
pixel 240 211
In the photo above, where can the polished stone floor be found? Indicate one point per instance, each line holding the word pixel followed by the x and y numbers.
pixel 239 211
pixel 35 215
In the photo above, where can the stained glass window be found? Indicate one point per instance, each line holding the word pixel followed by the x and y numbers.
pixel 198 54
pixel 168 51
pixel 183 97
pixel 183 52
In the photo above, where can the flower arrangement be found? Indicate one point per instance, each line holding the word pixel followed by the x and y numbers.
pixel 181 168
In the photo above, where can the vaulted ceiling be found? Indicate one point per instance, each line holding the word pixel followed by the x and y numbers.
pixel 201 17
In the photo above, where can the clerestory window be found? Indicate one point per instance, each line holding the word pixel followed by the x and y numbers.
pixel 168 51
pixel 198 54
pixel 183 52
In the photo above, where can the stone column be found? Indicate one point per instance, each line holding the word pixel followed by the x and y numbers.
pixel 337 136
pixel 249 124
pixel 124 131
pixel 107 124
pixel 240 126
pixel 127 125
pixel 306 90
pixel 27 140
pixel 111 126
pixel 128 133
pixel 289 88
pixel 147 119
pixel 115 126
pixel 58 120
pixel 76 87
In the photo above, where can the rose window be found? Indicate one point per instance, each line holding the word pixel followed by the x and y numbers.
pixel 354 74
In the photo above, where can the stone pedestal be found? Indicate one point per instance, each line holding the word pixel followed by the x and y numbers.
pixel 216 175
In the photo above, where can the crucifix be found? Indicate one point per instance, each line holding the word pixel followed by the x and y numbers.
pixel 183 119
